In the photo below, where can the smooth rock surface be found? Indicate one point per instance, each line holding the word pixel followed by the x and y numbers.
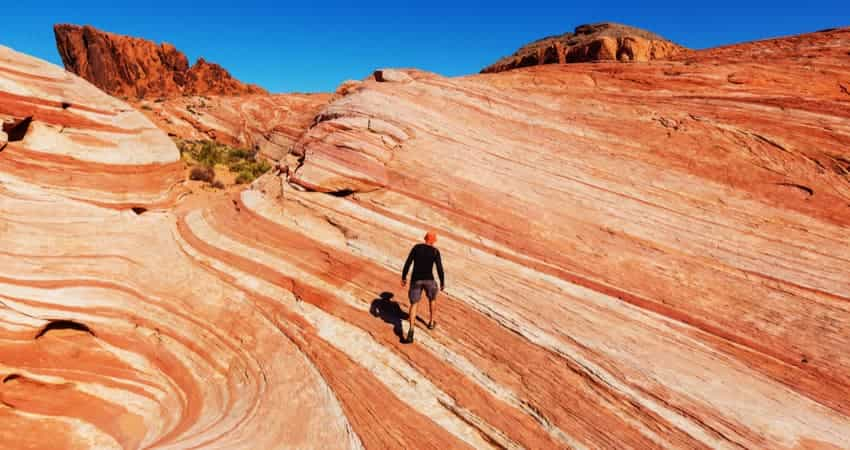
pixel 637 256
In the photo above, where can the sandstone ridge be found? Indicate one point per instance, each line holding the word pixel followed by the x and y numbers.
pixel 596 42
pixel 132 67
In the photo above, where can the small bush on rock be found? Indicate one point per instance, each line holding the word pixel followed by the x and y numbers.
pixel 202 173
pixel 208 154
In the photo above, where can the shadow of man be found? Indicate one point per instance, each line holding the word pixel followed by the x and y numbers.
pixel 389 311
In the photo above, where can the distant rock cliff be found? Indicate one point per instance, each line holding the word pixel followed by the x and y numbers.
pixel 597 42
pixel 133 67
pixel 199 102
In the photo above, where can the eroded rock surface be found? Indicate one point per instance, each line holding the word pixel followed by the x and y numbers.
pixel 132 67
pixel 597 42
pixel 638 256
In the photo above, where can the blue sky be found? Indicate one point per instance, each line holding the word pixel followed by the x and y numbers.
pixel 301 47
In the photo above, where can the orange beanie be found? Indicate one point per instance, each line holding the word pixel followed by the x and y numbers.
pixel 430 237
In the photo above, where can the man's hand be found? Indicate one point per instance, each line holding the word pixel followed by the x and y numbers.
pixel 403 282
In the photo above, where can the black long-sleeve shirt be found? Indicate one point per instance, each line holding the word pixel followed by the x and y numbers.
pixel 424 257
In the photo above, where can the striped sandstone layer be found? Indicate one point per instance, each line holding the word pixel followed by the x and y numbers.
pixel 270 124
pixel 111 336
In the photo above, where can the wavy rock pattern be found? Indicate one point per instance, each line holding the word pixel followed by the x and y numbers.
pixel 269 123
pixel 631 261
pixel 151 349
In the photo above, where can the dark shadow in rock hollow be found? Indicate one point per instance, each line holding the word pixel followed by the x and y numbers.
pixel 64 325
pixel 17 129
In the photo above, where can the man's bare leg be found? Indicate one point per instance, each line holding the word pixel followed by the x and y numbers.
pixel 432 309
pixel 412 319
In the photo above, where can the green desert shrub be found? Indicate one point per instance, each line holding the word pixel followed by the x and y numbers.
pixel 249 170
pixel 244 177
pixel 210 153
pixel 241 154
pixel 241 161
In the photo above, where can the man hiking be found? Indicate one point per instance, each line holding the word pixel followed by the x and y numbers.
pixel 423 257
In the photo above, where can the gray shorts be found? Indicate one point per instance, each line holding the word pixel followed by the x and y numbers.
pixel 415 294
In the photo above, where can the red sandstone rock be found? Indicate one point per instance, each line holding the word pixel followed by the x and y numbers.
pixel 598 42
pixel 674 236
pixel 201 102
pixel 638 256
pixel 111 337
pixel 138 68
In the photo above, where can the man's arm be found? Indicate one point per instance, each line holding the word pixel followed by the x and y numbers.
pixel 406 267
pixel 439 261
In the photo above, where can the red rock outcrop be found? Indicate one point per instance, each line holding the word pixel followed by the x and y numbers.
pixel 638 256
pixel 597 42
pixel 137 68
pixel 198 102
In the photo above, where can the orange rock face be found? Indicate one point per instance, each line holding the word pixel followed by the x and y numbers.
pixel 638 256
pixel 599 42
pixel 131 67
pixel 198 102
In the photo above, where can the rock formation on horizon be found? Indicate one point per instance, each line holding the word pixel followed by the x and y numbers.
pixel 202 102
pixel 132 67
pixel 638 256
pixel 596 42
